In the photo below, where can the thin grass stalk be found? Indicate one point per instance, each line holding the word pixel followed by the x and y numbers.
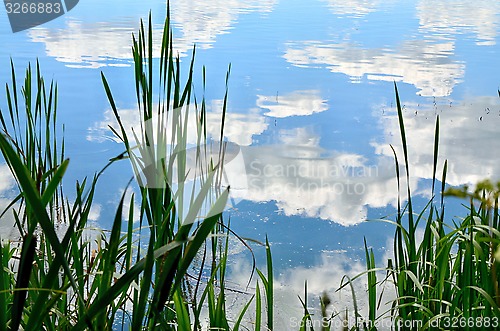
pixel 411 224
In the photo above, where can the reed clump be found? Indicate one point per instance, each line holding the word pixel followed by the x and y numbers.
pixel 57 277
pixel 446 279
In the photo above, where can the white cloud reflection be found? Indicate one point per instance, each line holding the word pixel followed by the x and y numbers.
pixel 305 179
pixel 430 67
pixel 325 276
pixel 6 180
pixel 89 44
pixel 200 22
pixel 446 18
pixel 299 175
pixel 83 43
pixel 426 61
pixel 468 139
pixel 356 8
pixel 8 230
pixel 297 103
pixel 94 44
pixel 296 172
pixel 239 128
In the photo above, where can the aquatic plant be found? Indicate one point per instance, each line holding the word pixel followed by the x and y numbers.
pixel 60 277
pixel 448 279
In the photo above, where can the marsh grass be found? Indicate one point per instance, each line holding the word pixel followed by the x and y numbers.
pixel 59 278
pixel 444 273
pixel 448 278
pixel 451 276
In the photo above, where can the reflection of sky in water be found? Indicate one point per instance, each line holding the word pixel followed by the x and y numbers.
pixel 305 129
pixel 7 222
pixel 356 8
pixel 8 191
pixel 445 19
pixel 469 133
pixel 304 178
pixel 428 66
pixel 324 276
pixel 90 43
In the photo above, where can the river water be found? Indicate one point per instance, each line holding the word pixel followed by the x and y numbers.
pixel 311 107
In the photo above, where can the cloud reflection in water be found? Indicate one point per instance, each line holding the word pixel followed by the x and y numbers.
pixel 86 43
pixel 7 222
pixel 302 177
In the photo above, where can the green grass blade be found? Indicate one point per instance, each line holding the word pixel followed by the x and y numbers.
pixel 201 235
pixel 182 314
pixel 121 285
pixel 110 259
pixel 35 202
pixel 258 308
pixel 242 313
pixel 54 183
pixel 22 282
pixel 372 283
pixel 4 285
pixel 411 224
pixel 436 150
pixel 270 286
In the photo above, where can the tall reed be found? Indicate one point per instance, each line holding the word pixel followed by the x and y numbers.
pixel 449 278
pixel 58 277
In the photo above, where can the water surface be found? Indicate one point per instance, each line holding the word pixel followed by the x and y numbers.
pixel 311 104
